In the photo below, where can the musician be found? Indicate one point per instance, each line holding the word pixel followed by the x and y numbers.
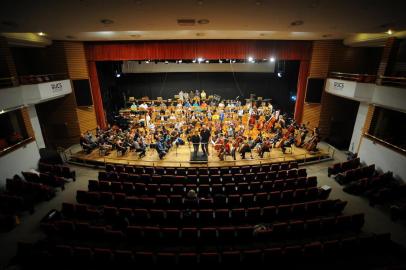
pixel 195 139
pixel 139 147
pixel 161 147
pixel 288 142
pixel 205 134
pixel 245 148
pixel 265 147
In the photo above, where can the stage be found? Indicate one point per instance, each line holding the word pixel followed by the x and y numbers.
pixel 180 157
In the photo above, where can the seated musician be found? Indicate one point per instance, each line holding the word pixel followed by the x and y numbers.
pixel 245 148
pixel 225 149
pixel 161 148
pixel 139 147
pixel 120 147
pixel 266 147
pixel 86 145
pixel 288 142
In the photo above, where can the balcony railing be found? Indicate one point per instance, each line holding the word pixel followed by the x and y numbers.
pixel 8 82
pixel 392 81
pixel 15 146
pixel 365 78
pixel 34 79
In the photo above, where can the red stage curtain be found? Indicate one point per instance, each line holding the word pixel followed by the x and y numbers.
pixel 97 99
pixel 301 89
pixel 191 49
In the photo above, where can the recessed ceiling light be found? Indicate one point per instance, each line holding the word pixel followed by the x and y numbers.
pixel 106 21
pixel 326 35
pixel 296 23
pixel 200 34
pixel 203 21
pixel 135 36
pixel 70 37
pixel 41 34
pixel 272 59
pixel 250 59
pixel 389 32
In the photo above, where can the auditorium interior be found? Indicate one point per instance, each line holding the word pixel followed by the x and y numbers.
pixel 272 132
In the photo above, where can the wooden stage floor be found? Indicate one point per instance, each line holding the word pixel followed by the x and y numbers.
pixel 180 157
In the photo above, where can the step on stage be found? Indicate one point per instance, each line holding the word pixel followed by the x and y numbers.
pixel 181 157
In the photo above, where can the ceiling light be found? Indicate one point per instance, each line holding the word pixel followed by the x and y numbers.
pixel 106 21
pixel 200 59
pixel 41 34
pixel 118 75
pixel 194 61
pixel 272 59
pixel 147 62
pixel 250 59
pixel 166 62
pixel 203 21
pixel 296 23
pixel 280 74
pixel 207 61
pixel 180 61
pixel 220 61
pixel 389 32
pixel 233 61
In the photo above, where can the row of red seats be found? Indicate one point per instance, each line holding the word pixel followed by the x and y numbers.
pixel 203 189
pixel 355 174
pixel 205 235
pixel 204 215
pixel 11 204
pixel 200 170
pixel 57 170
pixel 180 201
pixel 299 254
pixel 201 179
pixel 343 166
pixel 45 178
pixel 31 192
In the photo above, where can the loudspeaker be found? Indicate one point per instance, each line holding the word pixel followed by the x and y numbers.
pixel 50 156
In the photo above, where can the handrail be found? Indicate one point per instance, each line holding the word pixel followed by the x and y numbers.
pixel 15 146
pixel 40 78
pixel 397 148
pixel 392 81
pixel 364 78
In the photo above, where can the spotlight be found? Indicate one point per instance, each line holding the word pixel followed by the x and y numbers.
pixel 389 32
pixel 250 59
pixel 200 59
pixel 279 74
pixel 207 61
pixel 272 59
pixel 293 98
pixel 194 61
pixel 118 75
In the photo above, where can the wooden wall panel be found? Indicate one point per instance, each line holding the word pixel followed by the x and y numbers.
pixel 7 65
pixel 27 122
pixel 319 67
pixel 76 59
pixel 368 119
pixel 87 118
pixel 77 69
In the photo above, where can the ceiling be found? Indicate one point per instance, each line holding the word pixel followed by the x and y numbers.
pixel 214 19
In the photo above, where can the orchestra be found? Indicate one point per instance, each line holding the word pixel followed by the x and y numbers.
pixel 229 126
